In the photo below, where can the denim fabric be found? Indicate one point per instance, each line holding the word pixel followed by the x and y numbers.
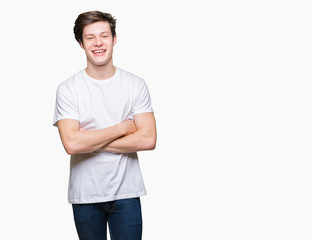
pixel 123 216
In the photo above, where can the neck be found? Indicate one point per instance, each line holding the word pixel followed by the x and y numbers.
pixel 101 72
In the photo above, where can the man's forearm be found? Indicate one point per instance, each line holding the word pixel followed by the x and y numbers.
pixel 92 140
pixel 143 139
pixel 77 141
pixel 134 142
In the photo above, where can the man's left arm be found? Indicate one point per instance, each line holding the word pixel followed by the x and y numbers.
pixel 143 139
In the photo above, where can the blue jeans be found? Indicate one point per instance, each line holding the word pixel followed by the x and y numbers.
pixel 123 216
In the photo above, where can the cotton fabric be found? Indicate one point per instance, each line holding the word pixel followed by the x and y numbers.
pixel 102 176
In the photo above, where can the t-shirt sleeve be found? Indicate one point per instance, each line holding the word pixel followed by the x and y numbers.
pixel 65 107
pixel 143 101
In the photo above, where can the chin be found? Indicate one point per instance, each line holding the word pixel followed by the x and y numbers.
pixel 99 63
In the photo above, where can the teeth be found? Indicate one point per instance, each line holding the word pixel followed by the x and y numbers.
pixel 99 51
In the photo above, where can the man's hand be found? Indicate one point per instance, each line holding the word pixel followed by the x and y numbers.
pixel 144 138
pixel 129 126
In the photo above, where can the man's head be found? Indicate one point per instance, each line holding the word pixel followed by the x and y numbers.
pixel 87 18
pixel 95 32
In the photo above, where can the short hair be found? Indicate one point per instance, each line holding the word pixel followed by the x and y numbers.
pixel 91 17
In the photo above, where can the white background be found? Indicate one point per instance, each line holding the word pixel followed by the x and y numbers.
pixel 231 89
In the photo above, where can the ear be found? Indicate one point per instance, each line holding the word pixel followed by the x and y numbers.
pixel 115 40
pixel 81 44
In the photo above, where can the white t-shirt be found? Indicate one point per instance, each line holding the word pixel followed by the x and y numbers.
pixel 102 176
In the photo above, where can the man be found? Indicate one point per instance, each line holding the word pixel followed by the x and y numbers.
pixel 104 116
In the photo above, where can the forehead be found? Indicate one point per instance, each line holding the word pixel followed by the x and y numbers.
pixel 96 28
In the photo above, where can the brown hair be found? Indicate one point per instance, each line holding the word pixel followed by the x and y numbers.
pixel 91 17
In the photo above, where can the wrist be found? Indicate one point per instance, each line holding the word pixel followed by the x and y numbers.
pixel 123 128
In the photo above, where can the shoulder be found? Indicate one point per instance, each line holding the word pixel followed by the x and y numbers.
pixel 72 82
pixel 128 76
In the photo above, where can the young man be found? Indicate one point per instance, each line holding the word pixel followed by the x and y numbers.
pixel 104 116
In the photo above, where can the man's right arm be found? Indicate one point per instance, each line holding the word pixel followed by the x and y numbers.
pixel 76 141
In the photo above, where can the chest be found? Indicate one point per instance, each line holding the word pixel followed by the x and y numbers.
pixel 103 106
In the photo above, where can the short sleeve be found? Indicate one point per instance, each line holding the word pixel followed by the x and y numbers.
pixel 65 107
pixel 142 102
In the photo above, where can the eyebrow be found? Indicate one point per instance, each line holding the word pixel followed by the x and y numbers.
pixel 92 34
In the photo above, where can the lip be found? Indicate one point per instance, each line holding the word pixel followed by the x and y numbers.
pixel 98 52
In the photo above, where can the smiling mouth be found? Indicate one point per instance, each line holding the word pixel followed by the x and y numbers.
pixel 99 51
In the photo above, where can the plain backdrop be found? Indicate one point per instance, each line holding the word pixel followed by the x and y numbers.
pixel 231 88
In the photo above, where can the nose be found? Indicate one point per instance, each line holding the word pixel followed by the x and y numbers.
pixel 98 41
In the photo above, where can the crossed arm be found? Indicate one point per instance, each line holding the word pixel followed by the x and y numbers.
pixel 125 137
